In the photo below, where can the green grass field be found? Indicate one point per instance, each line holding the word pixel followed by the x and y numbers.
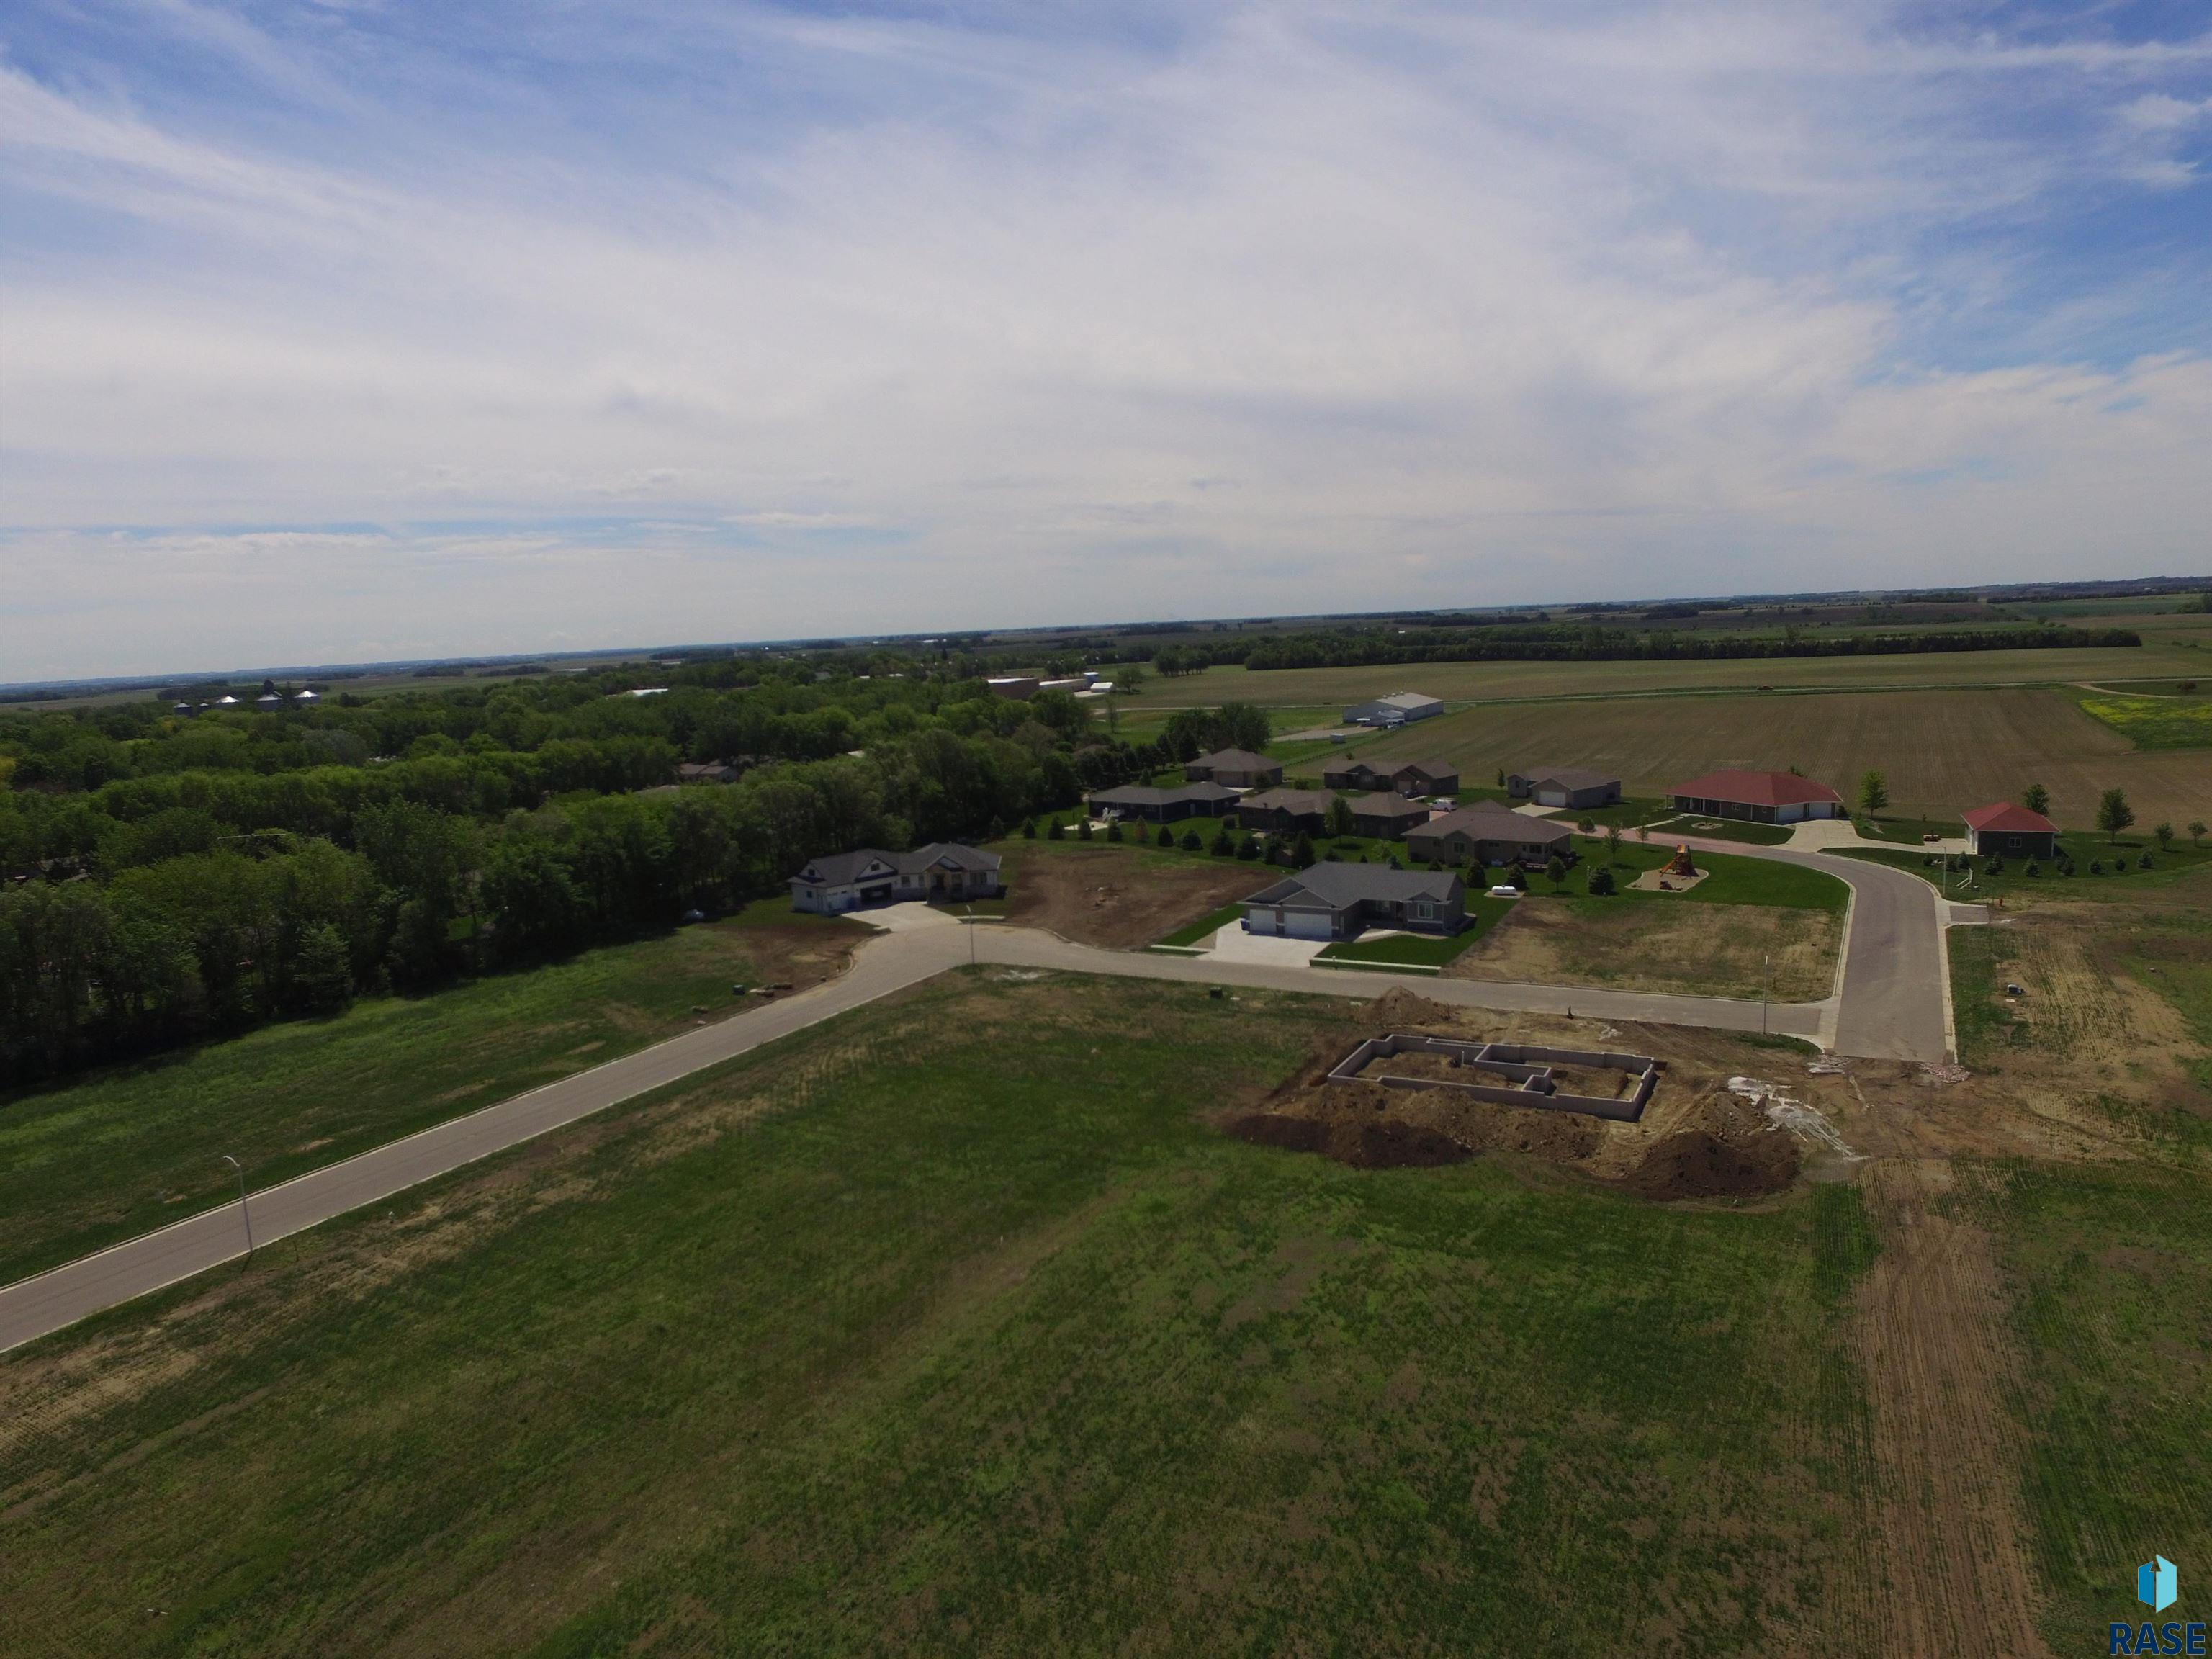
pixel 887 1340
pixel 2113 1264
pixel 1729 879
pixel 134 1147
pixel 2121 874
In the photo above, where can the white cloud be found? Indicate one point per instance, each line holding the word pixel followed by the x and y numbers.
pixel 1307 309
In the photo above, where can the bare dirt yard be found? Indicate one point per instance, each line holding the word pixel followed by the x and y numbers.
pixel 1705 949
pixel 1122 897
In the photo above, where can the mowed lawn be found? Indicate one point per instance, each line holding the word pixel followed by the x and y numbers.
pixel 133 1147
pixel 952 1326
pixel 1941 753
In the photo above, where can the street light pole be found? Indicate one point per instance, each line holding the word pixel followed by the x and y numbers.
pixel 1766 988
pixel 246 1214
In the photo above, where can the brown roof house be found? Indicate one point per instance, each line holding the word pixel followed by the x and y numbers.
pixel 1403 777
pixel 838 882
pixel 1757 796
pixel 1492 834
pixel 1238 768
pixel 1286 812
pixel 1387 816
pixel 2005 828
pixel 1337 901
pixel 1563 785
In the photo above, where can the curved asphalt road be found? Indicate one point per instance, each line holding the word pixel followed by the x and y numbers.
pixel 1890 1004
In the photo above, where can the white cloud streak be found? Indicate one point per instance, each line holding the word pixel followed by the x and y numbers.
pixel 1294 311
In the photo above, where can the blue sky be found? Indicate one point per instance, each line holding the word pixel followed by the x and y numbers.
pixel 335 331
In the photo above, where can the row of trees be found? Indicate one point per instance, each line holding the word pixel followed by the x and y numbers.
pixel 1565 642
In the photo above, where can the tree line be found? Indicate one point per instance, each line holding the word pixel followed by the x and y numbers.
pixel 1563 642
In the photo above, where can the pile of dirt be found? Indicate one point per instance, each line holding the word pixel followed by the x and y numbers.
pixel 1696 1163
pixel 1400 1009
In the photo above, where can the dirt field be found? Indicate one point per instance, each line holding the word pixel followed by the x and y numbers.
pixel 1709 950
pixel 1940 751
pixel 1122 897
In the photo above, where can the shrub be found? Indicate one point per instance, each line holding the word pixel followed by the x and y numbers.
pixel 1028 828
pixel 1191 843
pixel 1249 848
pixel 1224 844
pixel 1137 833
pixel 2144 863
pixel 1114 830
pixel 1055 830
pixel 1083 830
pixel 2096 867
pixel 1600 882
pixel 1518 880
pixel 2033 868
pixel 1996 866
pixel 1302 854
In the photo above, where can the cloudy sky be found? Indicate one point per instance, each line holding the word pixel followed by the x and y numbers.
pixel 348 331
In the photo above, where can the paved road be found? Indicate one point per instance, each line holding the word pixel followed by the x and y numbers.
pixel 1891 1003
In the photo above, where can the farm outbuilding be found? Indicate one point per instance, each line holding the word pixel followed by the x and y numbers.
pixel 1397 708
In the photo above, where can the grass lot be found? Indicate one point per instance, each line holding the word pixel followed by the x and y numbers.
pixel 1425 949
pixel 2113 1266
pixel 1942 751
pixel 1985 1025
pixel 1910 832
pixel 1227 917
pixel 136 1147
pixel 1729 879
pixel 890 1339
pixel 2155 723
pixel 1752 835
pixel 1627 813
pixel 2179 862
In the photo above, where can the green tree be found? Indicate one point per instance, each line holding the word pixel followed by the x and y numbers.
pixel 2197 832
pixel 1600 882
pixel 322 971
pixel 2036 798
pixel 1612 843
pixel 1302 853
pixel 1555 870
pixel 2165 834
pixel 1340 821
pixel 1874 793
pixel 2113 812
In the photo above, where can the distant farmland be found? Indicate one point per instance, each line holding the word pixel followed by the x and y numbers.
pixel 1940 751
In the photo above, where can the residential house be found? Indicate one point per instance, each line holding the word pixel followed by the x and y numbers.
pixel 721 771
pixel 2012 830
pixel 838 882
pixel 1189 800
pixel 1563 785
pixel 1492 834
pixel 1239 768
pixel 1398 708
pixel 1757 796
pixel 1386 815
pixel 1337 901
pixel 1286 812
pixel 1404 777
pixel 1021 686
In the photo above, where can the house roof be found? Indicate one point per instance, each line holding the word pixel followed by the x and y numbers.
pixel 1569 777
pixel 835 869
pixel 2009 820
pixel 1338 886
pixel 1433 768
pixel 1756 788
pixel 1295 801
pixel 1237 760
pixel 1384 802
pixel 1144 794
pixel 1399 699
pixel 1488 820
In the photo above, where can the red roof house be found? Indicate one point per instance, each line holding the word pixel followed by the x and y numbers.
pixel 1757 796
pixel 2005 828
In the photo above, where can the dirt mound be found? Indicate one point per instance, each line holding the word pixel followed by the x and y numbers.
pixel 1400 1009
pixel 1694 1164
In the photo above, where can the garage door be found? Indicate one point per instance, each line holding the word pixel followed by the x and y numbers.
pixel 1551 798
pixel 1306 924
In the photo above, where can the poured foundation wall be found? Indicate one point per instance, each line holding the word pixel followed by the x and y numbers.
pixel 1526 1072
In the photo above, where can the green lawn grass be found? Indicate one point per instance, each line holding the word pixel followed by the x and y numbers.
pixel 1756 834
pixel 1907 831
pixel 1729 879
pixel 930 1344
pixel 2112 1266
pixel 1626 813
pixel 134 1147
pixel 2182 862
pixel 1424 949
pixel 1985 1025
pixel 1228 916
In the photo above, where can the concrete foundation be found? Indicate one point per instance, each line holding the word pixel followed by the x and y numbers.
pixel 1525 1073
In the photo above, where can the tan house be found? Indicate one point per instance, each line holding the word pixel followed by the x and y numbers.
pixel 1492 834
pixel 1387 816
pixel 1286 812
pixel 1429 777
pixel 1234 768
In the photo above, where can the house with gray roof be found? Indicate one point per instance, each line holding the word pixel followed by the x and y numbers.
pixel 1239 768
pixel 1286 812
pixel 1387 814
pixel 1142 800
pixel 1563 785
pixel 943 870
pixel 1412 777
pixel 1338 901
pixel 1492 833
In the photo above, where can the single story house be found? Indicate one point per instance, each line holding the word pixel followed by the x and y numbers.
pixel 1336 901
pixel 1286 812
pixel 1396 709
pixel 1563 785
pixel 1141 800
pixel 2005 828
pixel 1494 834
pixel 1403 777
pixel 1386 815
pixel 846 881
pixel 721 771
pixel 1020 686
pixel 1239 768
pixel 1757 796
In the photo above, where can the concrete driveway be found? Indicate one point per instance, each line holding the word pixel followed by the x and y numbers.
pixel 1233 944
